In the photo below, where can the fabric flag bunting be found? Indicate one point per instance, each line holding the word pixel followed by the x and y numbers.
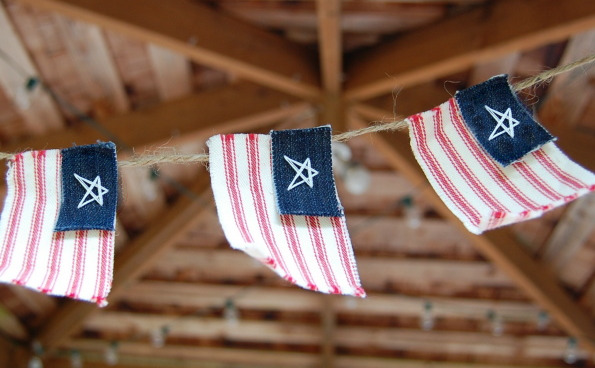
pixel 490 162
pixel 58 222
pixel 311 251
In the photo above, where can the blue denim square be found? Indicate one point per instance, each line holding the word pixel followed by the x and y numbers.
pixel 89 188
pixel 500 122
pixel 303 172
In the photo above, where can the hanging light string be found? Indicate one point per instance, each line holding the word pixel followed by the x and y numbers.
pixel 180 158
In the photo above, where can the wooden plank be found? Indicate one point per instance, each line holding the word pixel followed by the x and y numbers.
pixel 571 232
pixel 328 322
pixel 131 262
pixel 95 65
pixel 485 70
pixel 133 355
pixel 463 40
pixel 233 108
pixel 499 246
pixel 42 115
pixel 566 97
pixel 172 71
pixel 136 354
pixel 162 294
pixel 453 343
pixel 329 44
pixel 187 28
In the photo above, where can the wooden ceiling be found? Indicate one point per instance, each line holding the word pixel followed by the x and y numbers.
pixel 166 75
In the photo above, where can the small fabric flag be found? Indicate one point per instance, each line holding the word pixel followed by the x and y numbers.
pixel 473 183
pixel 313 252
pixel 58 222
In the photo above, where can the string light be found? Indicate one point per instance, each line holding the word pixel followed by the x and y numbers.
pixel 427 318
pixel 111 354
pixel 76 360
pixel 35 362
pixel 571 352
pixel 158 336
pixel 496 322
pixel 543 320
pixel 354 175
pixel 230 313
pixel 412 212
pixel 22 97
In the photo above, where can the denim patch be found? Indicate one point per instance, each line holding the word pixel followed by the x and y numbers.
pixel 89 188
pixel 500 122
pixel 302 172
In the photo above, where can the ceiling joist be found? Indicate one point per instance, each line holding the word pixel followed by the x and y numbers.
pixel 239 48
pixel 461 41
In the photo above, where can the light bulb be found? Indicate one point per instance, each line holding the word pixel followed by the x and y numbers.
pixel 496 322
pixel 158 336
pixel 35 362
pixel 111 354
pixel 230 313
pixel 427 318
pixel 413 214
pixel 351 302
pixel 76 360
pixel 357 178
pixel 571 352
pixel 543 320
pixel 341 152
pixel 22 97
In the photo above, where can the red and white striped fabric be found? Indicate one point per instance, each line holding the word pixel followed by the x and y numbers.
pixel 480 192
pixel 76 264
pixel 312 252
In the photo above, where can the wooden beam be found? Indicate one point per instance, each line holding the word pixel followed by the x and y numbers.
pixel 172 72
pixel 329 44
pixel 328 321
pixel 41 115
pixel 237 107
pixel 499 246
pixel 131 262
pixel 187 27
pixel 485 33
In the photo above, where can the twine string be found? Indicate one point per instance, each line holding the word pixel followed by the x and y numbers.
pixel 180 158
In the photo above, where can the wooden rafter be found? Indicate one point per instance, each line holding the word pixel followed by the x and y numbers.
pixel 42 115
pixel 461 41
pixel 500 246
pixel 238 107
pixel 242 49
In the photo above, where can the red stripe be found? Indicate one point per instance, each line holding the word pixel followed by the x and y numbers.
pixel 455 197
pixel 320 251
pixel 555 170
pixel 233 189
pixel 296 250
pixel 537 182
pixel 347 260
pixel 77 262
pixel 487 163
pixel 468 175
pixel 56 255
pixel 39 159
pixel 16 211
pixel 101 266
pixel 260 203
pixel 55 246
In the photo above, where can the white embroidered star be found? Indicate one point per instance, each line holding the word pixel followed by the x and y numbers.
pixel 501 128
pixel 89 186
pixel 299 173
